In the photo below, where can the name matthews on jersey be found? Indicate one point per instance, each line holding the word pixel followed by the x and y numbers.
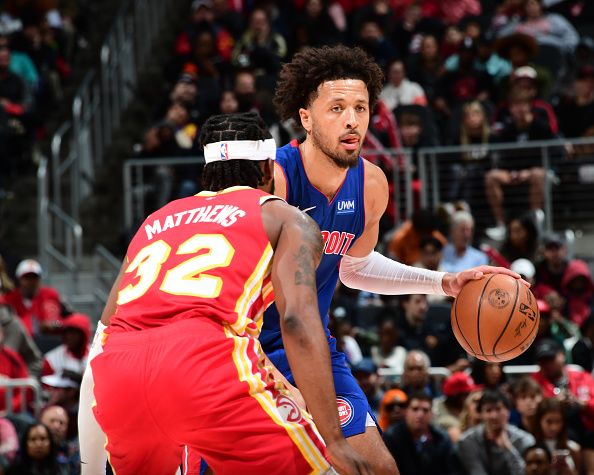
pixel 225 215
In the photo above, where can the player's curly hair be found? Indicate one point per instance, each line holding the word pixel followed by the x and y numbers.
pixel 217 176
pixel 298 81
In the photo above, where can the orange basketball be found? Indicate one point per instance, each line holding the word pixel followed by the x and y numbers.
pixel 495 318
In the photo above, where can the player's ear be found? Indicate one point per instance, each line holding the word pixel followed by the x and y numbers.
pixel 305 119
pixel 267 167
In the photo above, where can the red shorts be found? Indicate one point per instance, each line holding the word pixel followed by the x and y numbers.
pixel 196 383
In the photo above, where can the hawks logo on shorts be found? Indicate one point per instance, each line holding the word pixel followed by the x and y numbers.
pixel 345 411
pixel 288 409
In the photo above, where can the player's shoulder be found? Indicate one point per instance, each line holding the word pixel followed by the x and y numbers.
pixel 374 175
pixel 287 151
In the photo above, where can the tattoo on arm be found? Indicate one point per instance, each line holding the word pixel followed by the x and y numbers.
pixel 309 253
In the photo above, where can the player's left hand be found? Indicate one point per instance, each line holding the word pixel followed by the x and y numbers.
pixel 453 283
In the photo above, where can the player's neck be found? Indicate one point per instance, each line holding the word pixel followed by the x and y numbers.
pixel 321 170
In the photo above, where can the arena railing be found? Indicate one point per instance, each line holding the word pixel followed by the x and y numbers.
pixel 429 177
pixel 78 145
pixel 441 372
pixel 24 385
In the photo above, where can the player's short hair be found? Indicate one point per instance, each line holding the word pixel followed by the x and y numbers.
pixel 219 175
pixel 299 80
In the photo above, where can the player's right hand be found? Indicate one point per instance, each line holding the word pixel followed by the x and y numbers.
pixel 345 460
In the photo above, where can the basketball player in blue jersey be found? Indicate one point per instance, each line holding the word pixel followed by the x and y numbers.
pixel 330 91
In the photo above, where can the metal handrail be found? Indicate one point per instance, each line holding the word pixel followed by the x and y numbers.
pixel 442 371
pixel 23 384
pixel 103 280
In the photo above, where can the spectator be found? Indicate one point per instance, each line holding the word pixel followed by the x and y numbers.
pixel 18 339
pixel 582 353
pixel 21 65
pixel 470 417
pixel 373 41
pixel 517 167
pixel 12 366
pixel 447 409
pixel 548 28
pixel 470 168
pixel 431 253
pixel 550 429
pixel 9 444
pixel 419 333
pixel 38 307
pixel 464 84
pixel 494 447
pixel 55 418
pixel 416 444
pixel 70 358
pixel 576 113
pixel 521 238
pixel 573 388
pixel 365 372
pixel 489 375
pixel 424 67
pixel 521 50
pixel 405 244
pixel 203 18
pixel 392 408
pixel 315 27
pixel 538 460
pixel 38 454
pixel 64 392
pixel 400 90
pixel 415 376
pixel 453 11
pixel 388 354
pixel 526 394
pixel 260 47
pixel 245 90
pixel 525 80
pixel 566 285
pixel 228 103
pixel 459 254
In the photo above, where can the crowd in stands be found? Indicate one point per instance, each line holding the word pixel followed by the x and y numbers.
pixel 38 42
pixel 41 338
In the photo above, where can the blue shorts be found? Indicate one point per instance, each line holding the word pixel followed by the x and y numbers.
pixel 353 408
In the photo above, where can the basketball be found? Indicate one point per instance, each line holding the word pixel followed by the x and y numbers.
pixel 495 318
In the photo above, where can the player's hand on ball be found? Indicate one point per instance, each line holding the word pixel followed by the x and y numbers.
pixel 345 460
pixel 453 283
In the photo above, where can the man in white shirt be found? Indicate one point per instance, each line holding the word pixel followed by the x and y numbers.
pixel 400 91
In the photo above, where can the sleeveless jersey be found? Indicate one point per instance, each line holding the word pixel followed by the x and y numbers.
pixel 205 256
pixel 341 221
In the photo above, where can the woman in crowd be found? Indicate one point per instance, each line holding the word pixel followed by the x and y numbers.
pixel 37 454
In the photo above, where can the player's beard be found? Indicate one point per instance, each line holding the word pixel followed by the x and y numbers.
pixel 343 159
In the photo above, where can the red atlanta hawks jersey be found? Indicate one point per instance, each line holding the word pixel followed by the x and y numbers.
pixel 205 256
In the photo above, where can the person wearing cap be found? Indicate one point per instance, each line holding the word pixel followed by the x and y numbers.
pixel 392 408
pixel 418 446
pixel 494 447
pixel 573 387
pixel 447 408
pixel 70 358
pixel 39 307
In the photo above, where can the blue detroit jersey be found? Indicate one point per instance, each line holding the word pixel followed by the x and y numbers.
pixel 341 221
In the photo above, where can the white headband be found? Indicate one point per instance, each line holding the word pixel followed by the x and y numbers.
pixel 240 150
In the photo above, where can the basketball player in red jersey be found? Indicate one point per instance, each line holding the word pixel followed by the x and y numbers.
pixel 181 364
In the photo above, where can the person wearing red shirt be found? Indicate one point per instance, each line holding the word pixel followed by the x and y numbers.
pixel 39 307
pixel 12 366
pixel 573 387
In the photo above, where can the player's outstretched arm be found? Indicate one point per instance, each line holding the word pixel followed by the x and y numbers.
pixel 297 255
pixel 364 269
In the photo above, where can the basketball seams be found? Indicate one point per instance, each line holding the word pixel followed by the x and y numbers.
pixel 478 316
pixel 534 328
pixel 513 309
pixel 460 329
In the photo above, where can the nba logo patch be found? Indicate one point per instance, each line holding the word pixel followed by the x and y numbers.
pixel 345 411
pixel 224 152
